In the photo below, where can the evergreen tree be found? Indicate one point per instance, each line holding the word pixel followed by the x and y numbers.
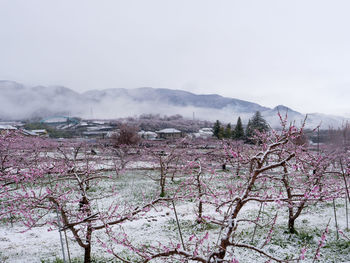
pixel 216 129
pixel 238 132
pixel 233 134
pixel 221 132
pixel 228 131
pixel 259 123
pixel 249 130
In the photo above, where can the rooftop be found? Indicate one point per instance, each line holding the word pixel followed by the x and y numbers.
pixel 169 130
pixel 7 127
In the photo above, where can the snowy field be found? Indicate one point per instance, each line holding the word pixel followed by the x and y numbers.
pixel 159 225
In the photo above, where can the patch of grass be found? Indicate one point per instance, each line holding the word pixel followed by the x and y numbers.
pixel 177 182
pixel 339 205
pixel 305 221
pixel 94 259
pixel 338 245
pixel 189 226
pixel 3 258
pixel 125 254
pixel 305 237
pixel 10 219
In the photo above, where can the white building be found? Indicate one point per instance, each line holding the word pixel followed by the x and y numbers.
pixel 148 135
pixel 169 133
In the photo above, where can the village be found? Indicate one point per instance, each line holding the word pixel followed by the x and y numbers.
pixel 66 127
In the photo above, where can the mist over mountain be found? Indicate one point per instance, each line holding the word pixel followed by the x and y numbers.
pixel 18 102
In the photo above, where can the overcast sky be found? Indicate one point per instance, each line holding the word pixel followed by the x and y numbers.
pixel 295 53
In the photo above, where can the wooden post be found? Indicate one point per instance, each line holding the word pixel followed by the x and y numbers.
pixel 68 252
pixel 336 221
pixel 61 238
pixel 178 226
pixel 347 213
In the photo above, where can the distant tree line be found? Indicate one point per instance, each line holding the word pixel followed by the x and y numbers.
pixel 154 122
pixel 256 123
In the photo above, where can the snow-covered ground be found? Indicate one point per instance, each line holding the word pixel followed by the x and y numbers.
pixel 159 225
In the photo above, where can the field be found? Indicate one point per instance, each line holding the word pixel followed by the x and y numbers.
pixel 174 203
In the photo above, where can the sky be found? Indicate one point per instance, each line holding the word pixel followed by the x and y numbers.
pixel 271 52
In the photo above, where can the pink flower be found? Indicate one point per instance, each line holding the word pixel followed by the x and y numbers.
pixel 234 154
pixel 302 253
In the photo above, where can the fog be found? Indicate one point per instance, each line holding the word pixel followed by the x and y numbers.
pixel 20 102
pixel 124 107
pixel 270 52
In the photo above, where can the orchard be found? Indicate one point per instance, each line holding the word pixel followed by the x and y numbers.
pixel 187 200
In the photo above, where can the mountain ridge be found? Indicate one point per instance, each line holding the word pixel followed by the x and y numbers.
pixel 18 101
pixel 179 97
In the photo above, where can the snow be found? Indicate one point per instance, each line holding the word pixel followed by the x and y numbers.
pixel 169 130
pixel 30 246
pixel 156 226
pixel 159 225
pixel 97 128
pixel 148 134
pixel 56 120
pixel 7 127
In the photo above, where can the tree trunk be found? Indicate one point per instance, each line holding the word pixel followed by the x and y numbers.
pixel 162 179
pixel 87 254
pixel 162 186
pixel 200 211
pixel 238 168
pixel 291 227
pixel 224 166
pixel 162 191
pixel 200 204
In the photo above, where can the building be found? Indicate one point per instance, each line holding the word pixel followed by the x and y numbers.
pixel 28 132
pixel 59 121
pixel 148 135
pixel 204 133
pixel 41 133
pixel 5 128
pixel 169 133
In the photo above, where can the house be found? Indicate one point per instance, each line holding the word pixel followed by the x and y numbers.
pixel 5 128
pixel 28 132
pixel 97 129
pixel 55 120
pixel 60 121
pixel 41 133
pixel 204 133
pixel 148 135
pixel 169 133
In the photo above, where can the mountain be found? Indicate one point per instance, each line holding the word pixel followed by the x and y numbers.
pixel 18 102
pixel 176 98
pixel 21 102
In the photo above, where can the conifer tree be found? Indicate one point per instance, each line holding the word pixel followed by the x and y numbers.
pixel 216 129
pixel 228 131
pixel 259 123
pixel 249 130
pixel 256 123
pixel 221 132
pixel 238 133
